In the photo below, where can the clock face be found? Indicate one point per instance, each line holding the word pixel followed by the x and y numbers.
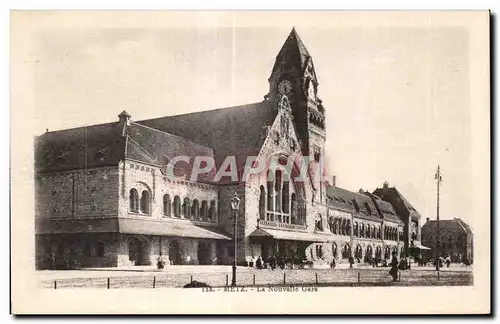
pixel 284 87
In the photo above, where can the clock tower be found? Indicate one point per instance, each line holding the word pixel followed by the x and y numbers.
pixel 294 75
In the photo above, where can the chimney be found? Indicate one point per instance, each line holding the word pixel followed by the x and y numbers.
pixel 361 190
pixel 124 118
pixel 333 181
pixel 427 219
pixel 386 184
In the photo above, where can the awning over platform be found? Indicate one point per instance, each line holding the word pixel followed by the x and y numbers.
pixel 170 228
pixel 72 226
pixel 419 246
pixel 287 235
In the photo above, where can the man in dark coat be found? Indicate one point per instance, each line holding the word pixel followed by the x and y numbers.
pixel 258 263
pixel 394 267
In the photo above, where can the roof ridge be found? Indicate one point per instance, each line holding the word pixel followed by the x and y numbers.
pixel 207 111
pixel 75 128
pixel 170 134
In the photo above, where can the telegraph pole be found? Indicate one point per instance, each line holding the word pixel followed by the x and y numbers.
pixel 438 179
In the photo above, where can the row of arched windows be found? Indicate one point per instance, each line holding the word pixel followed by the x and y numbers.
pixel 366 255
pixel 278 198
pixel 391 233
pixel 342 226
pixel 368 231
pixel 141 205
pixel 194 210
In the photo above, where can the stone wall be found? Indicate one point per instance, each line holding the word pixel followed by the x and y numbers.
pixel 80 193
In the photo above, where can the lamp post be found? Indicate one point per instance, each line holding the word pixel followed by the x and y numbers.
pixel 438 179
pixel 235 205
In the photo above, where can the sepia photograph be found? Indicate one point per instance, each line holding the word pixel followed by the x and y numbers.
pixel 242 162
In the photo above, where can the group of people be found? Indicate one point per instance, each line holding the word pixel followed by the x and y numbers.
pixel 281 262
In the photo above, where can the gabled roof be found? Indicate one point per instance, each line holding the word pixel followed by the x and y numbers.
pixel 293 52
pixel 391 194
pixel 348 200
pixel 237 131
pixel 455 224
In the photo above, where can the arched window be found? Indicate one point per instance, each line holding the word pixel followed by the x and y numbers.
pixel 331 223
pixel 270 194
pixel 262 203
pixel 204 209
pixel 387 253
pixel 277 188
pixel 334 250
pixel 212 211
pixel 358 253
pixel 186 208
pixel 177 206
pixel 369 253
pixel 285 194
pixel 356 232
pixel 134 200
pixel 195 209
pixel 319 223
pixel 294 209
pixel 368 231
pixel 145 202
pixel 348 227
pixel 346 251
pixel 362 230
pixel 167 205
pixel 374 230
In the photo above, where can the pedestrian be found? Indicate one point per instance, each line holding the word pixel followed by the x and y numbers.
pixel 258 263
pixel 272 262
pixel 394 267
pixel 351 262
pixel 53 261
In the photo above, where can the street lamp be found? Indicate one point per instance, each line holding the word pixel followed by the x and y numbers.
pixel 235 205
pixel 439 179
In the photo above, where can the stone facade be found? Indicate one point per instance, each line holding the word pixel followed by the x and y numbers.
pixel 129 212
pixel 455 241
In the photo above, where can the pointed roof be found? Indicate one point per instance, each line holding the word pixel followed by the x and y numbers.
pixel 293 51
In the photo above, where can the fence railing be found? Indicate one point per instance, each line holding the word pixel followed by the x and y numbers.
pixel 269 278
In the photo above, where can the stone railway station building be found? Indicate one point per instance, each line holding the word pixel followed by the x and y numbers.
pixel 104 198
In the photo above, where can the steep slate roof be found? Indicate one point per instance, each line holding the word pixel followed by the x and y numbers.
pixel 80 148
pixel 455 224
pixel 386 209
pixel 393 195
pixel 344 199
pixel 293 50
pixel 104 145
pixel 235 131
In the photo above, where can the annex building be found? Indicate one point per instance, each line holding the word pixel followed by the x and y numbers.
pixel 104 197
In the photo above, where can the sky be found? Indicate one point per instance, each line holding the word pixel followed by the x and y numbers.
pixel 397 99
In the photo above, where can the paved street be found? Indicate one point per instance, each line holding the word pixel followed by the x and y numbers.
pixel 218 276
